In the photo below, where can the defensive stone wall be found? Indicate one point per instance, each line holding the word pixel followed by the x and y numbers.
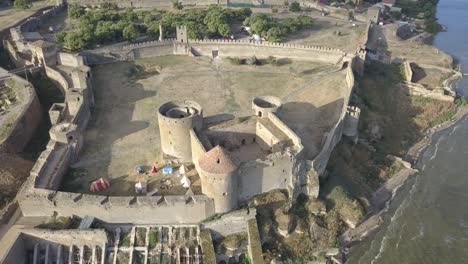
pixel 51 165
pixel 34 22
pixel 58 78
pixel 49 245
pixel 255 243
pixel 436 94
pixel 333 136
pixel 198 149
pixel 129 209
pixel 408 72
pixel 15 56
pixel 238 48
pixel 69 237
pixel 220 48
pixel 6 30
pixel 279 170
pixel 444 93
pixel 288 131
pixel 231 223
pixel 150 49
pixel 7 212
pixel 276 171
pixel 71 60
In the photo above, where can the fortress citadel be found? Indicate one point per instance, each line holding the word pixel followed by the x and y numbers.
pixel 236 159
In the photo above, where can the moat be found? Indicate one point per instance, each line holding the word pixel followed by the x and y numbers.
pixel 427 222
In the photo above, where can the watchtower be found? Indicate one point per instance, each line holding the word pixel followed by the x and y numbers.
pixel 262 105
pixel 218 175
pixel 181 32
pixel 176 119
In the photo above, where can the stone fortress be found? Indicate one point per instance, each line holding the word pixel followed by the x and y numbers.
pixel 235 158
pixel 235 161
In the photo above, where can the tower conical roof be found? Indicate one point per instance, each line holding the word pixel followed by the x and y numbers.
pixel 217 161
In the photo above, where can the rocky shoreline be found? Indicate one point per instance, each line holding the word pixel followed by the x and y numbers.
pixel 381 198
pixel 371 223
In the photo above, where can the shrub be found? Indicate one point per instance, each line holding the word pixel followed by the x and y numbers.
pixel 23 4
pixel 236 61
pixel 295 7
pixel 251 61
pixel 461 101
pixel 274 10
pixel 244 259
pixel 60 37
pixel 109 6
pixel 75 11
pixel 177 5
pixel 272 60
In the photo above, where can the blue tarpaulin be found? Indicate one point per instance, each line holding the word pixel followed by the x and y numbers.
pixel 167 170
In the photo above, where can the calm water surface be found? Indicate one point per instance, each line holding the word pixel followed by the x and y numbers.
pixel 428 220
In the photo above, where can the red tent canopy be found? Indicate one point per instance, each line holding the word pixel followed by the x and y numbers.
pixel 99 185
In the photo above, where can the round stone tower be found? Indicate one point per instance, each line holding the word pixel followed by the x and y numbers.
pixel 176 119
pixel 218 175
pixel 262 105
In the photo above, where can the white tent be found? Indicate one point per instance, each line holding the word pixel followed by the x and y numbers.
pixel 182 170
pixel 185 182
pixel 140 187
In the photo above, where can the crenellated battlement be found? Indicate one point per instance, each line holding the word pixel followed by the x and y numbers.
pixel 243 42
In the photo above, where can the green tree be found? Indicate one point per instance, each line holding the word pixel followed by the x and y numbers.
pixel 243 13
pixel 295 7
pixel 130 32
pixel 23 4
pixel 105 31
pixel 224 30
pixel 74 41
pixel 274 34
pixel 304 21
pixel 260 27
pixel 216 17
pixel 76 11
pixel 130 16
pixel 60 37
pixel 153 29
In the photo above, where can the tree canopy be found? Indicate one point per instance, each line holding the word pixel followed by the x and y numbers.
pixel 23 4
pixel 106 24
pixel 274 30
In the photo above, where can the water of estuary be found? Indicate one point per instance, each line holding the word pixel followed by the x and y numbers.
pixel 428 220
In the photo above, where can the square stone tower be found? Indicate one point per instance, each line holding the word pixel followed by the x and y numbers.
pixel 181 32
